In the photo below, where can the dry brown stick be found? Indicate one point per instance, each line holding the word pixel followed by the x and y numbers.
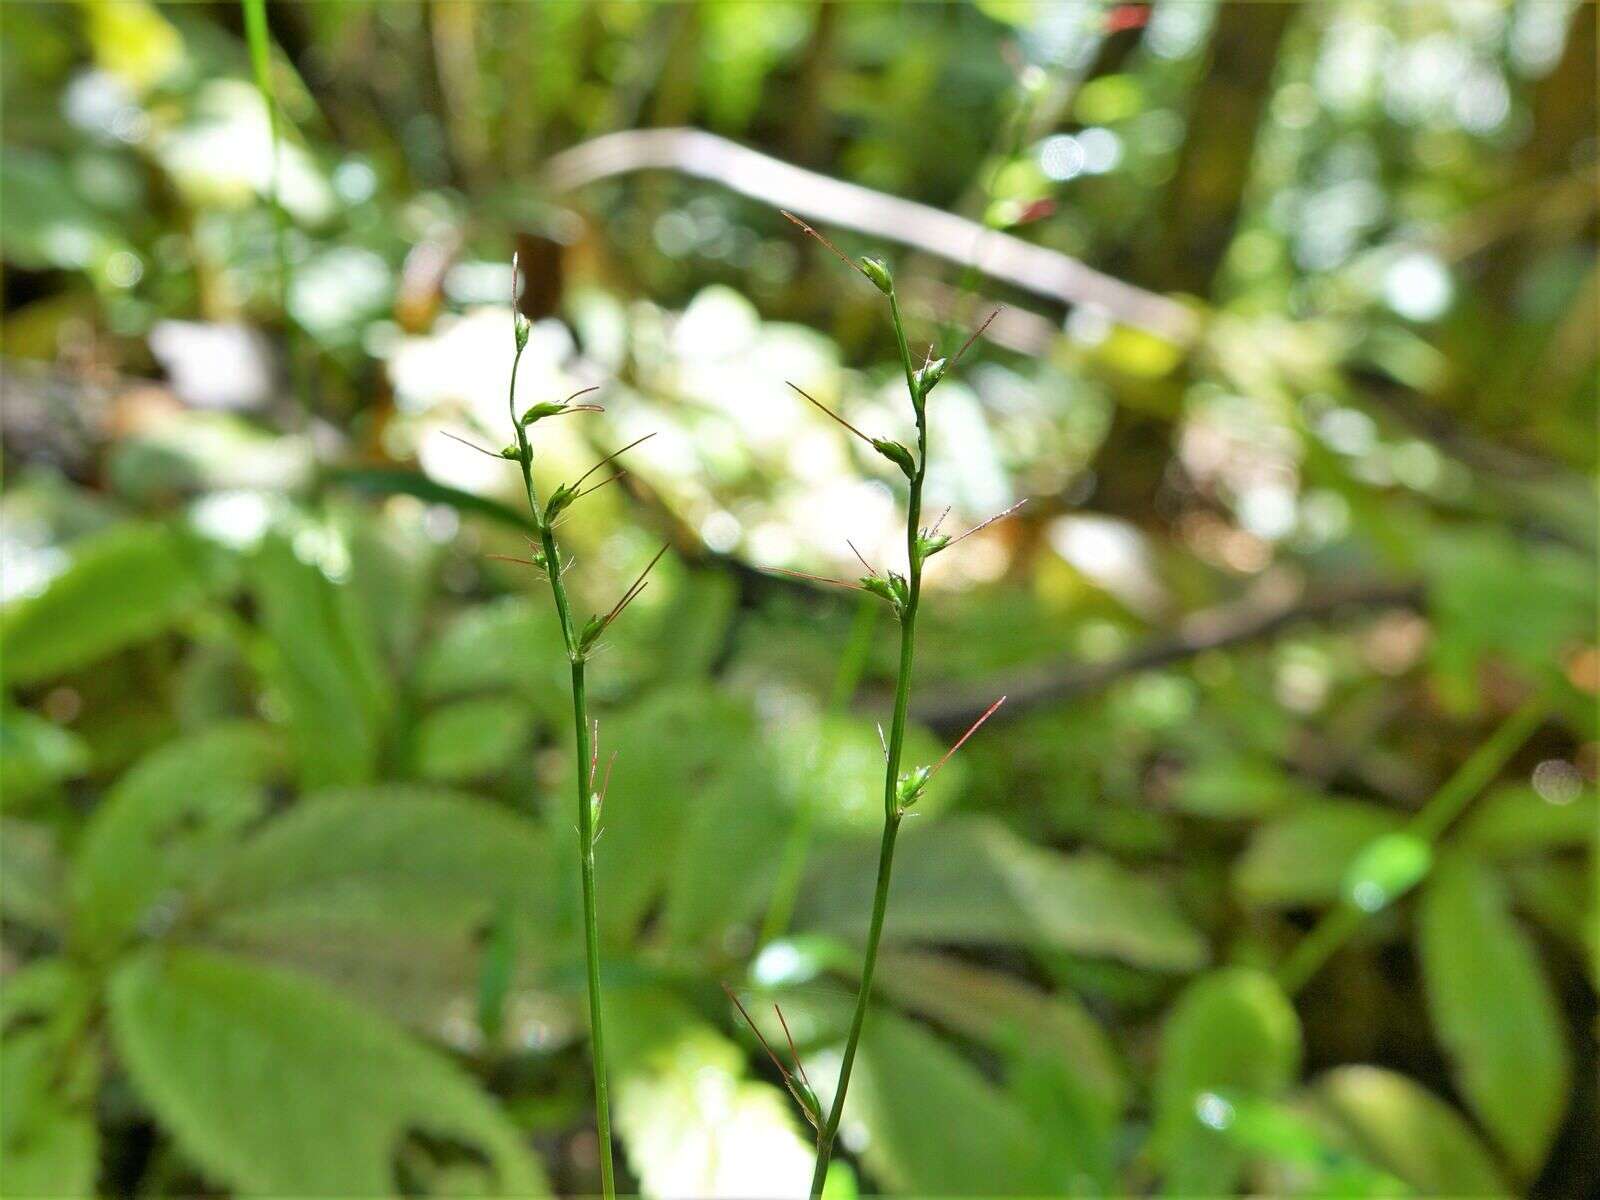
pixel 1210 629
pixel 1001 256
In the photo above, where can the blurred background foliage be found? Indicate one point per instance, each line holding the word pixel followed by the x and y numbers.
pixel 1276 873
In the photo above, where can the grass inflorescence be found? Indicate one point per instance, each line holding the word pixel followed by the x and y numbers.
pixel 903 594
pixel 580 642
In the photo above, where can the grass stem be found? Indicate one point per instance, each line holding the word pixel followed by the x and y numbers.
pixel 893 811
pixel 583 732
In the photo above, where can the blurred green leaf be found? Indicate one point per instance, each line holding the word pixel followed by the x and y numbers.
pixel 1557 894
pixel 31 876
pixel 48 223
pixel 470 738
pixel 49 1145
pixel 35 754
pixel 123 586
pixel 1385 870
pixel 691 1121
pixel 324 664
pixel 513 642
pixel 1405 1128
pixel 1496 596
pixel 1231 1035
pixel 1517 820
pixel 834 764
pixel 934 1124
pixel 332 1091
pixel 385 890
pixel 971 880
pixel 1006 1013
pixel 680 750
pixel 1229 788
pixel 162 824
pixel 1301 858
pixel 1493 1010
pixel 1296 1149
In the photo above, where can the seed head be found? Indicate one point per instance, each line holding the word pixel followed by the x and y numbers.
pixel 877 270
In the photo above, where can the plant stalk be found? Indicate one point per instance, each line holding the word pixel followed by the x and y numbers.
pixel 260 40
pixel 586 832
pixel 892 813
pixel 1342 921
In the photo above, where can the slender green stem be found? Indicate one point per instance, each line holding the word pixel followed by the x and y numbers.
pixel 1342 921
pixel 892 811
pixel 586 812
pixel 260 39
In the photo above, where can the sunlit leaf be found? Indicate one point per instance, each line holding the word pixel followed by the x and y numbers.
pixel 1007 1014
pixel 332 1092
pixel 324 664
pixel 693 1124
pixel 37 753
pixel 124 586
pixel 470 738
pixel 1494 1010
pixel 1385 870
pixel 932 1123
pixel 1404 1127
pixel 1301 858
pixel 1231 1035
pixel 1517 820
pixel 970 880
pixel 385 891
pixel 162 824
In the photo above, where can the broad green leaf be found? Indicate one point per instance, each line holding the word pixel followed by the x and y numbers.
pixel 1006 1014
pixel 691 1121
pixel 1492 594
pixel 1493 1010
pixel 512 643
pixel 48 222
pixel 835 765
pixel 688 636
pixel 31 889
pixel 385 890
pixel 164 821
pixel 1078 1135
pixel 275 1086
pixel 728 848
pixel 1231 788
pixel 676 749
pixel 48 1074
pixel 1517 820
pixel 324 664
pixel 196 451
pixel 934 1124
pixel 1385 870
pixel 1558 894
pixel 1294 1154
pixel 1405 1128
pixel 393 570
pixel 123 586
pixel 471 738
pixel 1232 1035
pixel 971 880
pixel 34 755
pixel 48 1143
pixel 1301 858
